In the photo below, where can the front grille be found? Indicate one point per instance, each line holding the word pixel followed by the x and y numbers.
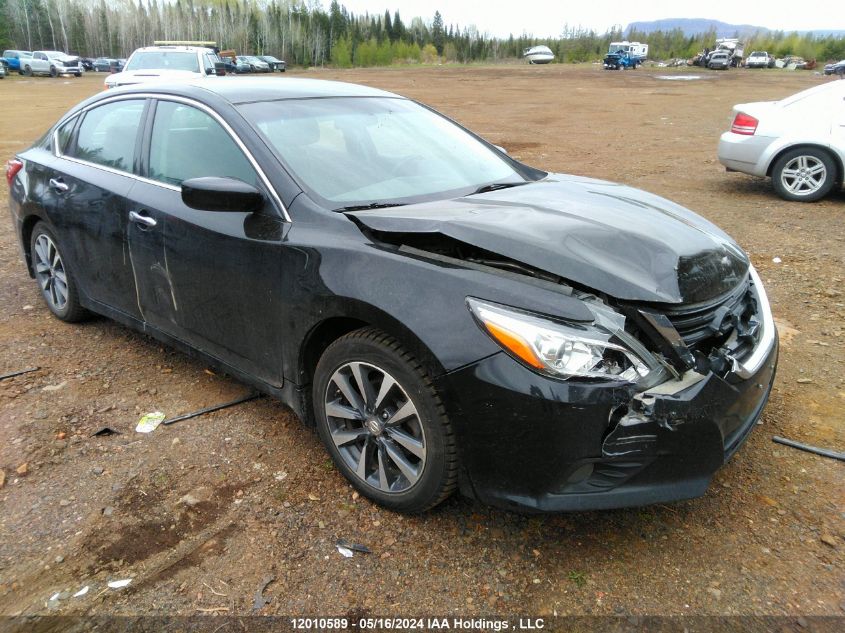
pixel 711 319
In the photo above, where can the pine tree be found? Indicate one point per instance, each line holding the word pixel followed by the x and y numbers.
pixel 437 34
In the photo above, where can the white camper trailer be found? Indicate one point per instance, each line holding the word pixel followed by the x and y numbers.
pixel 634 49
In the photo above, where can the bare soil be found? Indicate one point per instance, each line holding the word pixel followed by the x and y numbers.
pixel 263 499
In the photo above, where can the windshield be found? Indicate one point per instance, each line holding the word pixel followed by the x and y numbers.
pixel 164 60
pixel 363 150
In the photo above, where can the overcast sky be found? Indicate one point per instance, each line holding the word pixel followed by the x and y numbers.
pixel 544 18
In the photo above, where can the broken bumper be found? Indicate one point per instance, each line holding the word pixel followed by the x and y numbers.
pixel 532 443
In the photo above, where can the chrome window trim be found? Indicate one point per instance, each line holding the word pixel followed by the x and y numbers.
pixel 191 102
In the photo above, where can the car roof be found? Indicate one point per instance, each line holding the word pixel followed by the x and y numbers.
pixel 811 93
pixel 237 90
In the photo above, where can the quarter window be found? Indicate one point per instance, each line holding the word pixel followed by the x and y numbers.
pixel 63 135
pixel 188 143
pixel 107 134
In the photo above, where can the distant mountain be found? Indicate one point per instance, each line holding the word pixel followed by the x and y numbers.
pixel 697 26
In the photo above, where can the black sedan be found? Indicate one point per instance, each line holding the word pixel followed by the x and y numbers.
pixel 274 63
pixel 444 315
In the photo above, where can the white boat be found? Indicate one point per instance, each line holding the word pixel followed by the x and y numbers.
pixel 538 55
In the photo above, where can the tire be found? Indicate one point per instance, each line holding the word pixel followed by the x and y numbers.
pixel 77 75
pixel 804 174
pixel 410 462
pixel 61 297
pixel 54 72
pixel 27 71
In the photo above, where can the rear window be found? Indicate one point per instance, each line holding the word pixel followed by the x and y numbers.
pixel 107 134
pixel 164 60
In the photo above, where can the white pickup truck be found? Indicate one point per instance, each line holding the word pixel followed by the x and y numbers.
pixel 53 63
pixel 167 63
pixel 759 59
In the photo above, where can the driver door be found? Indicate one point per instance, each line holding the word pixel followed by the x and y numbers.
pixel 210 279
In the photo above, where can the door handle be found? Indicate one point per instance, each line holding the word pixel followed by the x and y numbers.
pixel 142 219
pixel 59 185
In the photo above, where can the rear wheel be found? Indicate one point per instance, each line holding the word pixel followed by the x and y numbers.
pixel 804 175
pixel 57 283
pixel 383 423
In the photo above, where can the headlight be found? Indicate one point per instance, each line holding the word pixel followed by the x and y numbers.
pixel 558 349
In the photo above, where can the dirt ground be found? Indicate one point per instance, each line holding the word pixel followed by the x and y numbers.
pixel 202 513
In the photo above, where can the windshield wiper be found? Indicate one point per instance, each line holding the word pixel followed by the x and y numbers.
pixel 371 205
pixel 497 185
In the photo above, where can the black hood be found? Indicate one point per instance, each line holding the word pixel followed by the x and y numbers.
pixel 611 238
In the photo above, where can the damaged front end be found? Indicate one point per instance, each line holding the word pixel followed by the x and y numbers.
pixel 641 402
pixel 642 405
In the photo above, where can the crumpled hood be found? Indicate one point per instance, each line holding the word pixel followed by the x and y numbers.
pixel 611 238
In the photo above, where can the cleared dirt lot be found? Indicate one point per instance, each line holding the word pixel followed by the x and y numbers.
pixel 264 500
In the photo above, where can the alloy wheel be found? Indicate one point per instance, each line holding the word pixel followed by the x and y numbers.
pixel 50 272
pixel 803 175
pixel 375 427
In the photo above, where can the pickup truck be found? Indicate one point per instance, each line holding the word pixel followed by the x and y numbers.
pixel 760 59
pixel 12 60
pixel 53 63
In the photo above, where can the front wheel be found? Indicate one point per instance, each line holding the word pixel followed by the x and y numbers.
pixel 27 71
pixel 383 423
pixel 57 283
pixel 53 71
pixel 804 175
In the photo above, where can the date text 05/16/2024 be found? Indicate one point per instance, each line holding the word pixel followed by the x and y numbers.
pixel 419 624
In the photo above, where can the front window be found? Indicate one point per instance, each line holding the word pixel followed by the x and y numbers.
pixel 164 60
pixel 360 150
pixel 188 143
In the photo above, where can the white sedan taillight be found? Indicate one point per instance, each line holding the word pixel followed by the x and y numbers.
pixel 744 124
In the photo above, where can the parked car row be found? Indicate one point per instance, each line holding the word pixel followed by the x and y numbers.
pixel 242 64
pixel 104 64
pixel 56 63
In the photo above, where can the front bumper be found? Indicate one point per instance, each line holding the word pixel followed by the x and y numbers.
pixel 532 443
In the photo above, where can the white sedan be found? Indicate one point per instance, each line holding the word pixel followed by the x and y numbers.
pixel 798 141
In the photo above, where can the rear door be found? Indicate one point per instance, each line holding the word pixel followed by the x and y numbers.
pixel 210 279
pixel 89 187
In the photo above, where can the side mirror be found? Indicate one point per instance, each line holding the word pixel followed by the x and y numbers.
pixel 501 149
pixel 221 194
pixel 219 69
